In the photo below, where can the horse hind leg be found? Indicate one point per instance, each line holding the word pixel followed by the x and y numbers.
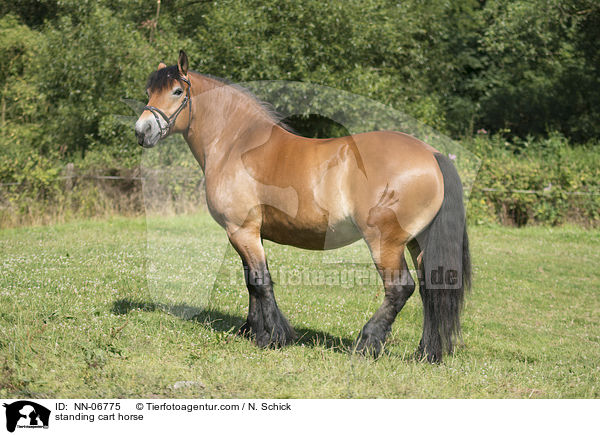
pixel 398 285
pixel 265 322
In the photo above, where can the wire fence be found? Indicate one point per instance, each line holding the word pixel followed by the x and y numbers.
pixel 546 190
pixel 92 177
pixel 537 192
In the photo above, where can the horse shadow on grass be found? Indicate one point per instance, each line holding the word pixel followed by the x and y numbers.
pixel 219 321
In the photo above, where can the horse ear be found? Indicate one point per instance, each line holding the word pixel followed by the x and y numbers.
pixel 182 63
pixel 161 66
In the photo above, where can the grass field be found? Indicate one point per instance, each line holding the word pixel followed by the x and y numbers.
pixel 129 308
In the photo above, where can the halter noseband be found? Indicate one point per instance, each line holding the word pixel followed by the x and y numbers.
pixel 171 119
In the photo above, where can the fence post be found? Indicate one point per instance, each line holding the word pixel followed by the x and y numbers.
pixel 69 175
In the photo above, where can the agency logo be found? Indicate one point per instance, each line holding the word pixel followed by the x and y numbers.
pixel 24 414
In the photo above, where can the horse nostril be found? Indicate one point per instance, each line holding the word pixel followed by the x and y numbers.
pixel 140 136
pixel 140 132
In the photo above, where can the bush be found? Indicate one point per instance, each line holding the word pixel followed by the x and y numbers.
pixel 521 69
pixel 535 181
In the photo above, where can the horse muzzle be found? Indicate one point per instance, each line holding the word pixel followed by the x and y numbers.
pixel 146 134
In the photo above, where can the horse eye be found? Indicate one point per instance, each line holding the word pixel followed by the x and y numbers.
pixel 178 92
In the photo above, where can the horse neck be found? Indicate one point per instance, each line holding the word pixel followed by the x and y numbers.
pixel 223 117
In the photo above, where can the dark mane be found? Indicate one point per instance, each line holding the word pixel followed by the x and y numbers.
pixel 165 77
pixel 162 78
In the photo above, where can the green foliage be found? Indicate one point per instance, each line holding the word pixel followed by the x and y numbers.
pixel 546 182
pixel 20 99
pixel 529 66
pixel 86 82
pixel 522 70
pixel 543 73
pixel 375 49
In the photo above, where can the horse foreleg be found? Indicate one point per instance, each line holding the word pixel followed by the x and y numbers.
pixel 265 322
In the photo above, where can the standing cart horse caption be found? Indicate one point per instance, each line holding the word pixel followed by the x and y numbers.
pixel 264 182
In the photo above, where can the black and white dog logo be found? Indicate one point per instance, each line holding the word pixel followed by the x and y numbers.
pixel 26 414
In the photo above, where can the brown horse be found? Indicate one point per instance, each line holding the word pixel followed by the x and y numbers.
pixel 264 182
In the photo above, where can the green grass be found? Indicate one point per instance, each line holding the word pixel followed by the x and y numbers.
pixel 125 308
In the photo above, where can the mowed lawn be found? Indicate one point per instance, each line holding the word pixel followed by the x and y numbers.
pixel 129 308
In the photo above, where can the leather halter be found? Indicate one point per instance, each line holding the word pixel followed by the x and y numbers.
pixel 171 119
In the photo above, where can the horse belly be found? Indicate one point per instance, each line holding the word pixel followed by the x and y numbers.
pixel 317 232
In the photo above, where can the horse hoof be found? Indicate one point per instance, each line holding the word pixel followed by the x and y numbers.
pixel 431 358
pixel 279 337
pixel 276 339
pixel 368 346
pixel 245 331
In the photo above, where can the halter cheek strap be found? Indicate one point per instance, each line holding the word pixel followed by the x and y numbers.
pixel 170 120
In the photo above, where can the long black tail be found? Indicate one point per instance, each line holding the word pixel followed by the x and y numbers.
pixel 446 268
